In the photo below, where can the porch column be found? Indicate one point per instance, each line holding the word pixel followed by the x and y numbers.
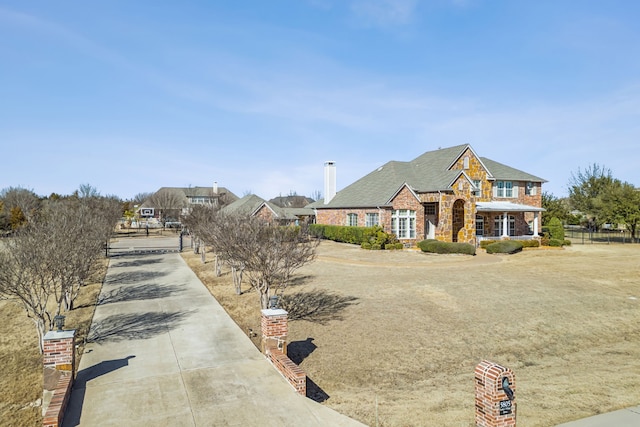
pixel 535 224
pixel 505 224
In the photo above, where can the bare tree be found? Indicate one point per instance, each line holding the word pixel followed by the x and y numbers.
pixel 26 276
pixel 167 201
pixel 139 198
pixel 20 199
pixel 267 253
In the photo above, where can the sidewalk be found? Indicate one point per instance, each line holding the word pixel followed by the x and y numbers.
pixel 629 417
pixel 165 353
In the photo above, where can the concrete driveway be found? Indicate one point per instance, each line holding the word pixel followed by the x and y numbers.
pixel 163 352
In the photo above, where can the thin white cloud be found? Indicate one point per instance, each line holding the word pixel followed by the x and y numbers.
pixel 384 13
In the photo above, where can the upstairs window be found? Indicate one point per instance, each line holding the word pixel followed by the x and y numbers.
pixel 465 162
pixel 478 190
pixel 530 189
pixel 504 189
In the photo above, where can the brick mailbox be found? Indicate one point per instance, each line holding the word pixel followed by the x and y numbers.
pixel 495 395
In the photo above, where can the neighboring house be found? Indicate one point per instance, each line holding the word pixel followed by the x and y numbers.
pixel 175 202
pixel 292 201
pixel 450 194
pixel 253 205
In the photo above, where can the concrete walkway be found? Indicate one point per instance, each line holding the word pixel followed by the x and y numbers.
pixel 163 352
pixel 629 417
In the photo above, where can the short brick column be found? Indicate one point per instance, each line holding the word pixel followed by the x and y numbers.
pixel 59 350
pixel 59 369
pixel 274 329
pixel 495 405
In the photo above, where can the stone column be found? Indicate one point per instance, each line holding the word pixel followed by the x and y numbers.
pixel 495 395
pixel 274 325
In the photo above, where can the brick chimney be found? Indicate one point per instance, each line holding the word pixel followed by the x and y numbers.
pixel 329 181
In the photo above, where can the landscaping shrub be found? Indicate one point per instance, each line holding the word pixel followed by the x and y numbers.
pixel 556 229
pixel 422 244
pixel 376 246
pixel 533 243
pixel 555 242
pixel 399 245
pixel 365 245
pixel 437 247
pixel 356 235
pixel 390 246
pixel 505 247
pixel 485 243
pixel 566 243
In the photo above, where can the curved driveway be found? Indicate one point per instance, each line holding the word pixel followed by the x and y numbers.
pixel 163 352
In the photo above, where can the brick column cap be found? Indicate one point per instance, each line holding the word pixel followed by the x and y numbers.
pixel 58 335
pixel 274 312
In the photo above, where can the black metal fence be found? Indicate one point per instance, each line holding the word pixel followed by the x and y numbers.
pixel 602 236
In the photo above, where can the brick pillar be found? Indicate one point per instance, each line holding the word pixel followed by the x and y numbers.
pixel 274 329
pixel 59 350
pixel 494 406
pixel 59 369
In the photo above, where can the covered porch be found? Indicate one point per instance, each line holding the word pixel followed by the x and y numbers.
pixel 507 220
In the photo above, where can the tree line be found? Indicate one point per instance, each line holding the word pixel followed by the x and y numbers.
pixel 264 252
pixel 596 198
pixel 53 249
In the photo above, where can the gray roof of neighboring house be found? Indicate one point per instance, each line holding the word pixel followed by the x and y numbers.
pixel 291 201
pixel 185 192
pixel 249 204
pixel 426 173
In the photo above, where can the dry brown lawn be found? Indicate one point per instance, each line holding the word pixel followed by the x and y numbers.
pixel 392 338
pixel 21 362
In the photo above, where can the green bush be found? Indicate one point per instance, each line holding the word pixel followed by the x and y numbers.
pixel 556 229
pixel 555 242
pixel 376 246
pixel 422 244
pixel 355 235
pixel 399 245
pixel 437 247
pixel 485 243
pixel 533 243
pixel 365 245
pixel 505 247
pixel 566 242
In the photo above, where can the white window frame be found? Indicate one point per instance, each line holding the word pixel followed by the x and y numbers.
pixel 371 219
pixel 479 225
pixel 352 219
pixel 403 223
pixel 478 184
pixel 530 189
pixel 506 189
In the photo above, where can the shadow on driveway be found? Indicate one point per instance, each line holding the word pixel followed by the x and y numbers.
pixel 120 327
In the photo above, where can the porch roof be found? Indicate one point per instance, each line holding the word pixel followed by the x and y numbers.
pixel 506 207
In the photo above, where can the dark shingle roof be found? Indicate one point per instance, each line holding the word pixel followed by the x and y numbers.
pixel 426 173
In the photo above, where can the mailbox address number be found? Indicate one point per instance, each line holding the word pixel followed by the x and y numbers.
pixel 505 407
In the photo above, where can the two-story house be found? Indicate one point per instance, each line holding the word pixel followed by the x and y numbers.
pixel 450 194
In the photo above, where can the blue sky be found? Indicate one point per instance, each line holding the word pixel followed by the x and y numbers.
pixel 129 96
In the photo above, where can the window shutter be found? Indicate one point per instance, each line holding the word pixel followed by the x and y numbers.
pixel 495 189
pixel 515 190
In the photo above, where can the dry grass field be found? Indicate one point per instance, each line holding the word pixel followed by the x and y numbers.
pixel 21 362
pixel 392 338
